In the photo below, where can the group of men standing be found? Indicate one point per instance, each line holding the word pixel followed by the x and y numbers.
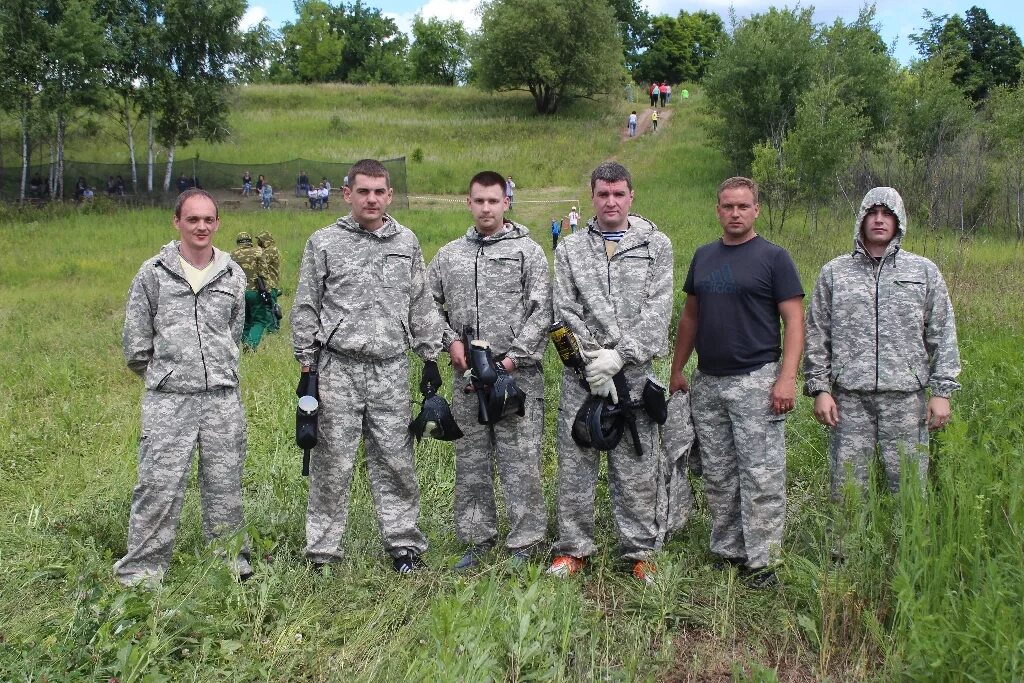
pixel 365 297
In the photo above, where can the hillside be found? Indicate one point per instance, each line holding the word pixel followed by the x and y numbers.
pixel 931 587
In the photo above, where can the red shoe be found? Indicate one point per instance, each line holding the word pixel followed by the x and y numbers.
pixel 566 565
pixel 645 571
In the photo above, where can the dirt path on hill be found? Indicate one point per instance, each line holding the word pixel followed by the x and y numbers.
pixel 643 122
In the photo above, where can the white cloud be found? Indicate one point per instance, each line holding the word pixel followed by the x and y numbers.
pixel 460 10
pixel 252 16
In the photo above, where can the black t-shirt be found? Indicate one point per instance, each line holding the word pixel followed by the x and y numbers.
pixel 738 289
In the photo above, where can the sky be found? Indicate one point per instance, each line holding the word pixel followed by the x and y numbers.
pixel 897 19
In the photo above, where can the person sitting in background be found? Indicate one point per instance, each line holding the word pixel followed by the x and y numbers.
pixel 246 184
pixel 80 187
pixel 182 183
pixel 324 193
pixel 314 198
pixel 266 194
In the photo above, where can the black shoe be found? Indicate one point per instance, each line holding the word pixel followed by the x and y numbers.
pixel 762 579
pixel 407 563
pixel 725 563
pixel 246 575
pixel 471 558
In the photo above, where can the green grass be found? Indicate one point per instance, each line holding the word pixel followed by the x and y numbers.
pixel 932 587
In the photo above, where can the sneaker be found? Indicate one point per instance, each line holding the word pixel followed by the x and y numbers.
pixel 407 563
pixel 761 579
pixel 566 565
pixel 646 571
pixel 471 558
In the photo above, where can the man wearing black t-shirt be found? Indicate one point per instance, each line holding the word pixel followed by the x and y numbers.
pixel 737 289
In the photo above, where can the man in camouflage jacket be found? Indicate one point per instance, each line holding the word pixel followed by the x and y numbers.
pixel 182 327
pixel 880 336
pixel 258 314
pixel 361 303
pixel 494 280
pixel 272 273
pixel 613 288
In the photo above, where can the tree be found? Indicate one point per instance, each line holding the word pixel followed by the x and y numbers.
pixel 1005 113
pixel 313 47
pixel 681 47
pixel 983 54
pixel 26 35
pixel 634 25
pixel 440 51
pixel 755 83
pixel 201 38
pixel 72 75
pixel 554 50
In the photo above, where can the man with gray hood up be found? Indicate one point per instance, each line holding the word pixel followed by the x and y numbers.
pixel 494 280
pixel 880 337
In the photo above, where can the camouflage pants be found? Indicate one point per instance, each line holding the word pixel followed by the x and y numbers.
pixel 369 399
pixel 259 318
pixel 514 445
pixel 172 426
pixel 743 456
pixel 635 482
pixel 895 421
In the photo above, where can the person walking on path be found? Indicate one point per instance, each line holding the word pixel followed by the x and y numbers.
pixel 362 301
pixel 737 289
pixel 494 280
pixel 182 329
pixel 631 125
pixel 574 219
pixel 881 337
pixel 556 230
pixel 613 289
pixel 654 121
pixel 655 92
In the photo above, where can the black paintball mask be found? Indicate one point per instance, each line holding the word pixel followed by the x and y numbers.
pixel 435 420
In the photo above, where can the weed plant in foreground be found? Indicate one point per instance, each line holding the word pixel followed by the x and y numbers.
pixel 931 588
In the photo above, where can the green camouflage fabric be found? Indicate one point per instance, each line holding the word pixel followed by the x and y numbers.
pixel 895 421
pixel 500 287
pixel 624 303
pixel 881 326
pixel 250 258
pixel 174 426
pixel 364 294
pixel 636 484
pixel 186 347
pixel 743 457
pixel 366 398
pixel 271 260
pixel 180 341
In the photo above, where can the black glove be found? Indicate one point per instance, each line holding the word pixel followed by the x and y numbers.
pixel 303 388
pixel 431 377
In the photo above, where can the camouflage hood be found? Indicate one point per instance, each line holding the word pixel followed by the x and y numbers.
pixel 890 198
pixel 265 239
pixel 509 231
pixel 390 228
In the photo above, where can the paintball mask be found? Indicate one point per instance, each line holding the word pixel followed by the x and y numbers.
pixel 435 420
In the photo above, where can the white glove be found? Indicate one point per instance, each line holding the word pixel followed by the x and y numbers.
pixel 605 389
pixel 601 365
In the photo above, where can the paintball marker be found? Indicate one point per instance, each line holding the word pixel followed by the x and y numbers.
pixel 261 287
pixel 496 391
pixel 306 414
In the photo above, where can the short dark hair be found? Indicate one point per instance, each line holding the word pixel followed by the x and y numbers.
pixel 737 182
pixel 611 172
pixel 370 168
pixel 189 194
pixel 487 179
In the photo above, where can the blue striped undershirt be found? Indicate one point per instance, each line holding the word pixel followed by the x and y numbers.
pixel 613 236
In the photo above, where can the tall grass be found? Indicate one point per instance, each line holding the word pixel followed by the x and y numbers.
pixel 931 588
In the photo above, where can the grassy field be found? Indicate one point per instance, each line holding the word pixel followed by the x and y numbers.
pixel 932 587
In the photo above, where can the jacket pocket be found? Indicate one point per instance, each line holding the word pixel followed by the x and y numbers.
pixel 163 380
pixel 397 271
pixel 505 273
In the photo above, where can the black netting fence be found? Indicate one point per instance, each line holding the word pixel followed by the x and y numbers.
pixel 225 180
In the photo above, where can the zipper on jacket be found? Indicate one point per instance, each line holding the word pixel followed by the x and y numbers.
pixel 199 336
pixel 476 287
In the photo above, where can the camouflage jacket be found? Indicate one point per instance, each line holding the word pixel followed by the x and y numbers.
pixel 500 287
pixel 180 341
pixel 251 260
pixel 624 302
pixel 884 325
pixel 363 293
pixel 271 261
